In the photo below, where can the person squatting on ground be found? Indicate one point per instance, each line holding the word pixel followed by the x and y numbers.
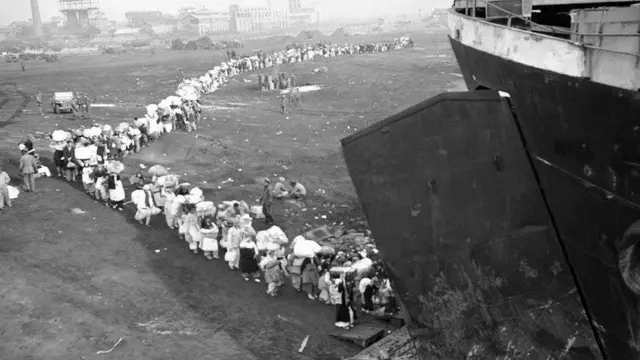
pixel 4 189
pixel 298 191
pixel 280 190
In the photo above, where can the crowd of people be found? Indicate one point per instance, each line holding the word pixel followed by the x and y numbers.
pixel 225 230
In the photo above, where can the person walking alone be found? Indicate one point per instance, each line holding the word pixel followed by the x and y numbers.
pixel 39 101
pixel 283 103
pixel 28 170
pixel 266 199
pixel 4 189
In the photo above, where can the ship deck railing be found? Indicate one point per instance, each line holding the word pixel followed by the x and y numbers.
pixel 540 28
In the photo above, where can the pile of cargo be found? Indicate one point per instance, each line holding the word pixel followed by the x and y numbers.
pixel 347 250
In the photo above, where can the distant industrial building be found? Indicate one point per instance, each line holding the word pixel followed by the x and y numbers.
pixel 206 22
pixel 4 33
pixel 303 12
pixel 103 24
pixel 257 18
pixel 138 18
pixel 77 12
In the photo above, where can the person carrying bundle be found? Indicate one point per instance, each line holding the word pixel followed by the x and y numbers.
pixel 274 271
pixel 190 229
pixel 210 231
pixel 143 199
pixel 310 277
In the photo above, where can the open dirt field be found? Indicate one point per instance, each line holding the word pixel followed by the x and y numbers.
pixel 73 284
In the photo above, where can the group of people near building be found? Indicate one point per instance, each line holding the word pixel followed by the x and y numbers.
pixel 224 230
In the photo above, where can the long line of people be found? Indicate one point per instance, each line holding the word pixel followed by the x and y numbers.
pixel 92 155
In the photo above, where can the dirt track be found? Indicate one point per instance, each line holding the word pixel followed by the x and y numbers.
pixel 71 285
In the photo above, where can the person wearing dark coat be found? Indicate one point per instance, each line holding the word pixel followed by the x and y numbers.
pixel 345 313
pixel 370 290
pixel 69 161
pixel 248 263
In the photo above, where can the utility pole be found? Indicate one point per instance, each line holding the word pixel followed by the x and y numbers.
pixel 35 18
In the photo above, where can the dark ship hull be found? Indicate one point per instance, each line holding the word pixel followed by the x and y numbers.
pixel 584 138
pixel 504 224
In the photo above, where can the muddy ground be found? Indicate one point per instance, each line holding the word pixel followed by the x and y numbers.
pixel 74 282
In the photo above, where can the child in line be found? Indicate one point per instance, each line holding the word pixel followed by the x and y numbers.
pixel 209 244
pixel 310 277
pixel 323 284
pixel 274 272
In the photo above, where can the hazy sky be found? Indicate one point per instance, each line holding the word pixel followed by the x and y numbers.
pixel 20 10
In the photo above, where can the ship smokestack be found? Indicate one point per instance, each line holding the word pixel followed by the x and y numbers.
pixel 35 17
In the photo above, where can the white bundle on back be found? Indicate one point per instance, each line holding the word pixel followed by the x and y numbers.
pixel 277 235
pixel 57 145
pixel 262 240
pixel 86 152
pixel 256 211
pixel 164 104
pixel 152 109
pixel 122 127
pixel 362 265
pixel 92 132
pixel 304 248
pixel 138 197
pixel 196 192
pixel 205 208
pixel 60 135
pixel 192 199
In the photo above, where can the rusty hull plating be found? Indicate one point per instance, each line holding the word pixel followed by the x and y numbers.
pixel 462 226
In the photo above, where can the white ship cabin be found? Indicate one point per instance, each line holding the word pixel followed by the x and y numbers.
pixel 594 39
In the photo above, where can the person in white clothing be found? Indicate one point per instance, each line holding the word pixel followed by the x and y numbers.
pixel 143 199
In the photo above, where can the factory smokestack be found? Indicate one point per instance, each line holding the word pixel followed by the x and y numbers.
pixel 35 18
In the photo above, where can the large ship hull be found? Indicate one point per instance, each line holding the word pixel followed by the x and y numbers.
pixel 585 144
pixel 463 229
